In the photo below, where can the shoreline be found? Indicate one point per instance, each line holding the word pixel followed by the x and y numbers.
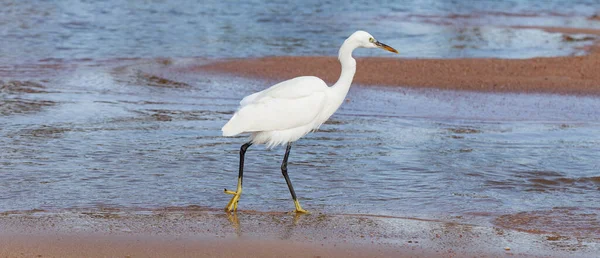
pixel 99 245
pixel 200 232
pixel 570 75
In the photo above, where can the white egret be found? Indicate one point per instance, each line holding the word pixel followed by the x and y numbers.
pixel 286 111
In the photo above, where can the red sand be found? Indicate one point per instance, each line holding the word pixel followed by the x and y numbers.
pixel 197 232
pixel 576 75
pixel 143 246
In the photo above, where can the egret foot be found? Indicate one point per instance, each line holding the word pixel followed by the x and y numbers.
pixel 233 203
pixel 299 208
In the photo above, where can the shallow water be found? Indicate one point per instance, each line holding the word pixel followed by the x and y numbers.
pixel 49 31
pixel 90 119
pixel 141 134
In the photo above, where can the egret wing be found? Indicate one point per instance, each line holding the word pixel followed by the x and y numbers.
pixel 279 113
pixel 289 104
pixel 294 88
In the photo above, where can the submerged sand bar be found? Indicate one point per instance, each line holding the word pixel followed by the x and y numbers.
pixel 577 75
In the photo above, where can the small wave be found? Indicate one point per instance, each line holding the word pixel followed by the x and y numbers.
pixel 568 221
pixel 544 181
pixel 133 75
pixel 45 132
pixel 19 105
pixel 14 87
pixel 461 130
pixel 22 106
pixel 157 81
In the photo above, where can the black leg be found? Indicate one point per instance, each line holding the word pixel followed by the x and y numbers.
pixel 232 205
pixel 287 179
pixel 284 170
pixel 242 154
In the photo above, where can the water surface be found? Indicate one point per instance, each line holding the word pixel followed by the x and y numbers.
pixel 91 117
pixel 47 31
pixel 125 137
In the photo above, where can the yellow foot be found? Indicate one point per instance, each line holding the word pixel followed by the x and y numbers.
pixel 299 208
pixel 302 211
pixel 233 203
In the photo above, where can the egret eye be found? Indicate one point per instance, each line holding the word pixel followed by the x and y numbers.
pixel 372 40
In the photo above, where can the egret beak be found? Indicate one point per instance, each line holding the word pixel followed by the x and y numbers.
pixel 386 47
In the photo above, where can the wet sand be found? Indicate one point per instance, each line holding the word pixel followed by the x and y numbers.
pixel 576 75
pixel 142 246
pixel 193 232
pixel 199 232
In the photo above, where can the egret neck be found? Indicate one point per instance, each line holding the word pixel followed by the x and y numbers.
pixel 341 87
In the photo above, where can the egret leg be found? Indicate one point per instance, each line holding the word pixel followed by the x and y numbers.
pixel 287 179
pixel 233 203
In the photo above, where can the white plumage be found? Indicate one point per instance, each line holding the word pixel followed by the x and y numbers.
pixel 289 110
pixel 282 113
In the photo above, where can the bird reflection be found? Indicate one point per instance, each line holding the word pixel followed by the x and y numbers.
pixel 287 231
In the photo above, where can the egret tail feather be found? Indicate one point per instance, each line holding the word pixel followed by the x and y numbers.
pixel 232 128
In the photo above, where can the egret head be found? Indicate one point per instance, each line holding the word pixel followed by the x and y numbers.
pixel 366 40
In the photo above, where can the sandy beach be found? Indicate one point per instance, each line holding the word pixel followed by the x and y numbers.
pixel 201 232
pixel 82 245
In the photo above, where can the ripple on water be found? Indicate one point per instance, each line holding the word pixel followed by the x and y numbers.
pixel 545 181
pixel 569 221
pixel 115 141
pixel 464 130
pixel 16 97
